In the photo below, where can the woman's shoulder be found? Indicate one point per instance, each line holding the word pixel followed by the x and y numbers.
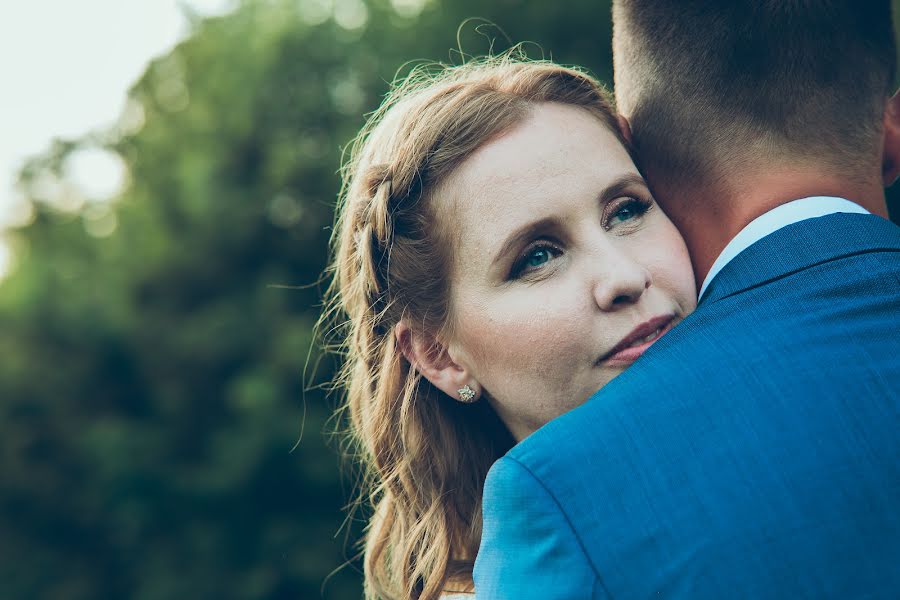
pixel 458 596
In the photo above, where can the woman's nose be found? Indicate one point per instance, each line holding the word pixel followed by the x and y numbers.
pixel 621 285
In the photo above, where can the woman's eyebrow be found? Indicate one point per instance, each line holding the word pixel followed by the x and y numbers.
pixel 618 187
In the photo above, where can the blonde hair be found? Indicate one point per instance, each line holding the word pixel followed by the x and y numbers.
pixel 424 455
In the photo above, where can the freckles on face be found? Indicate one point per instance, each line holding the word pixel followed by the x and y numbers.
pixel 553 227
pixel 527 352
pixel 661 250
pixel 518 333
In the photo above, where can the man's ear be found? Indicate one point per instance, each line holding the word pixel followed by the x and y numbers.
pixel 432 360
pixel 890 157
pixel 625 128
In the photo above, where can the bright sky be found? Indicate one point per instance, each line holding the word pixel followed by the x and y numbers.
pixel 65 68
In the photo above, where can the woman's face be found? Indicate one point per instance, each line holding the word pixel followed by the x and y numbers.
pixel 564 268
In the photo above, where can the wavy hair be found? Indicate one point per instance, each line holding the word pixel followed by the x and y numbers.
pixel 423 455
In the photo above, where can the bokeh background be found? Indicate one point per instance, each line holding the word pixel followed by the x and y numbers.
pixel 164 431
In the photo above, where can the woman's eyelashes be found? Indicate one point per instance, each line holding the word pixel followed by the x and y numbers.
pixel 534 258
pixel 627 209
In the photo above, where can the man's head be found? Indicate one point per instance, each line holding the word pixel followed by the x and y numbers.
pixel 712 88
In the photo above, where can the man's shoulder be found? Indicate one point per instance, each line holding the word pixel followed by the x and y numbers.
pixel 797 332
pixel 773 407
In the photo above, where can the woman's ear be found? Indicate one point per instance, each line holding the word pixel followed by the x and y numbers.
pixel 431 359
pixel 890 156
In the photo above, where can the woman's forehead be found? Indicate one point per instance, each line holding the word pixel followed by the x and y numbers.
pixel 555 161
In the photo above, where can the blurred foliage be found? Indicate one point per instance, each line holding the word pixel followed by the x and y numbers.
pixel 152 385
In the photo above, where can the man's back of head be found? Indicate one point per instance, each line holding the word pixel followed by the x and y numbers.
pixel 720 93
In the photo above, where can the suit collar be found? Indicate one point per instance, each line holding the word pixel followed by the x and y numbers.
pixel 800 246
pixel 773 220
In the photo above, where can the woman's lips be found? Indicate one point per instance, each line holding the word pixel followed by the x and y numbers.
pixel 636 343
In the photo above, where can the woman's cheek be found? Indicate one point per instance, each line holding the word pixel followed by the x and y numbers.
pixel 519 334
pixel 665 255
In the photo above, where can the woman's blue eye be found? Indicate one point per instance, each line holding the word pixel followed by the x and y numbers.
pixel 537 257
pixel 534 259
pixel 628 211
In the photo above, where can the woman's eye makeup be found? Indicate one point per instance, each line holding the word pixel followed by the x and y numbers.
pixel 624 210
pixel 534 258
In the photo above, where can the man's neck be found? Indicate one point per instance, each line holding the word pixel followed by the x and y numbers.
pixel 710 220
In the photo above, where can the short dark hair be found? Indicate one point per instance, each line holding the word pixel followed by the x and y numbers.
pixel 707 83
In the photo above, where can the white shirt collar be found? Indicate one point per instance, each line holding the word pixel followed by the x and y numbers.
pixel 775 219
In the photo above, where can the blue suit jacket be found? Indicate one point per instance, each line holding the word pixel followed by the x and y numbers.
pixel 753 452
